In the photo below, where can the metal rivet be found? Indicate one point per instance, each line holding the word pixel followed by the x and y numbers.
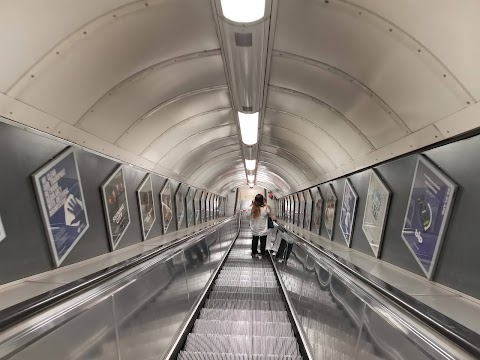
pixel 84 33
pixel 11 113
pixel 436 136
pixel 468 102
pixel 444 75
pixel 114 15
pixel 419 50
pixel 32 76
pixel 448 132
pixel 146 4
pixel 58 52
pixel 390 30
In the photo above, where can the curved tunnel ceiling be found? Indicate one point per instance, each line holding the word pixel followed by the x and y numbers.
pixel 351 83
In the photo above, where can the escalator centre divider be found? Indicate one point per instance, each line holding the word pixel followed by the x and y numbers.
pixel 244 314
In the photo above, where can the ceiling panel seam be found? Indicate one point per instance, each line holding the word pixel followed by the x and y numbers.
pixel 270 154
pixel 169 102
pixel 223 149
pixel 287 152
pixel 182 122
pixel 210 160
pixel 350 79
pixel 329 107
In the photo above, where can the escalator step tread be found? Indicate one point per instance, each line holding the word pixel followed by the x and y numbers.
pixel 243 328
pixel 188 355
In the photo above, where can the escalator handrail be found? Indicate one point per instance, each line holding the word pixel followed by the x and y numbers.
pixel 24 310
pixel 457 333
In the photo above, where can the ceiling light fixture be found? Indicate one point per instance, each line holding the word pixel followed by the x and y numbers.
pixel 243 11
pixel 248 127
pixel 250 178
pixel 250 164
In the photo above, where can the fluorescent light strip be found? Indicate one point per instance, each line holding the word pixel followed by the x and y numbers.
pixel 250 164
pixel 250 178
pixel 248 127
pixel 243 11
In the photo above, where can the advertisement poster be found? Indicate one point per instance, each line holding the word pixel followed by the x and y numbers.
pixel 196 206
pixel 62 204
pixel 167 206
pixel 179 206
pixel 301 211
pixel 295 209
pixel 147 205
pixel 308 210
pixel 317 209
pixel 2 231
pixel 115 203
pixel 429 207
pixel 330 206
pixel 207 207
pixel 189 206
pixel 203 207
pixel 376 210
pixel 347 214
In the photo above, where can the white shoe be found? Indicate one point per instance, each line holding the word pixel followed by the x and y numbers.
pixel 280 261
pixel 260 257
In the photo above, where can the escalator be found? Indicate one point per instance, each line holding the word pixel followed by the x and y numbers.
pixel 244 316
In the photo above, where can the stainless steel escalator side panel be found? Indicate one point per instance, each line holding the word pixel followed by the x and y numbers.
pixel 19 337
pixel 395 333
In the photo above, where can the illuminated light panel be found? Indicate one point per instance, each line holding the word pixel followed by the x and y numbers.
pixel 248 127
pixel 250 164
pixel 250 178
pixel 243 11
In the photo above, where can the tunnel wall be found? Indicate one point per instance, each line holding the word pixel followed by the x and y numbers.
pixel 25 249
pixel 458 265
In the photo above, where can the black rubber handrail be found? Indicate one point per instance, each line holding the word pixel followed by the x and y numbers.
pixel 450 329
pixel 23 310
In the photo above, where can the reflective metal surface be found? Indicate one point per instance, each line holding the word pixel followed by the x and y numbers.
pixel 134 316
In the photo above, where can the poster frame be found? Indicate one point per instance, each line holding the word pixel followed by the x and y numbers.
pixel 146 179
pixel 3 234
pixel 182 201
pixel 301 206
pixel 46 220
pixel 296 210
pixel 308 225
pixel 448 212
pixel 348 186
pixel 190 192
pixel 197 203
pixel 386 189
pixel 105 206
pixel 331 190
pixel 203 204
pixel 321 215
pixel 164 188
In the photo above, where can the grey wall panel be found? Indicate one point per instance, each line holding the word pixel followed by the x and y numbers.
pixel 458 266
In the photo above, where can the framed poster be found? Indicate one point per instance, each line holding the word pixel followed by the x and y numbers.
pixel 301 209
pixel 330 207
pixel 115 203
pixel 207 207
pixel 317 200
pixel 203 207
pixel 189 206
pixel 3 235
pixel 59 191
pixel 292 209
pixel 428 211
pixel 146 205
pixel 308 209
pixel 179 206
pixel 348 211
pixel 167 206
pixel 376 210
pixel 197 206
pixel 296 209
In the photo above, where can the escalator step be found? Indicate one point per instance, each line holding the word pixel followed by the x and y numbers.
pixel 244 315
pixel 245 305
pixel 243 328
pixel 187 355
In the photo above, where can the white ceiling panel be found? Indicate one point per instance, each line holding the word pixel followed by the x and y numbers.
pixel 166 115
pixel 111 116
pixel 203 157
pixel 270 150
pixel 186 129
pixel 449 29
pixel 193 142
pixel 97 58
pixel 335 33
pixel 354 102
pixel 34 27
pixel 331 148
pixel 327 119
pixel 198 153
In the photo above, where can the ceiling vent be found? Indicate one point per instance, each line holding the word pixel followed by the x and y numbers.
pixel 243 39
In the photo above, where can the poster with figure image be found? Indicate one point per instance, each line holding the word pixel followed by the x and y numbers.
pixel 317 209
pixel 308 210
pixel 3 235
pixel 296 209
pixel 147 205
pixel 167 206
pixel 347 214
pixel 179 206
pixel 203 207
pixel 301 209
pixel 197 206
pixel 115 203
pixel 429 206
pixel 189 206
pixel 62 203
pixel 330 206
pixel 376 210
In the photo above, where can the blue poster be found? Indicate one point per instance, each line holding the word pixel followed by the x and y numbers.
pixel 62 203
pixel 428 210
pixel 347 215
